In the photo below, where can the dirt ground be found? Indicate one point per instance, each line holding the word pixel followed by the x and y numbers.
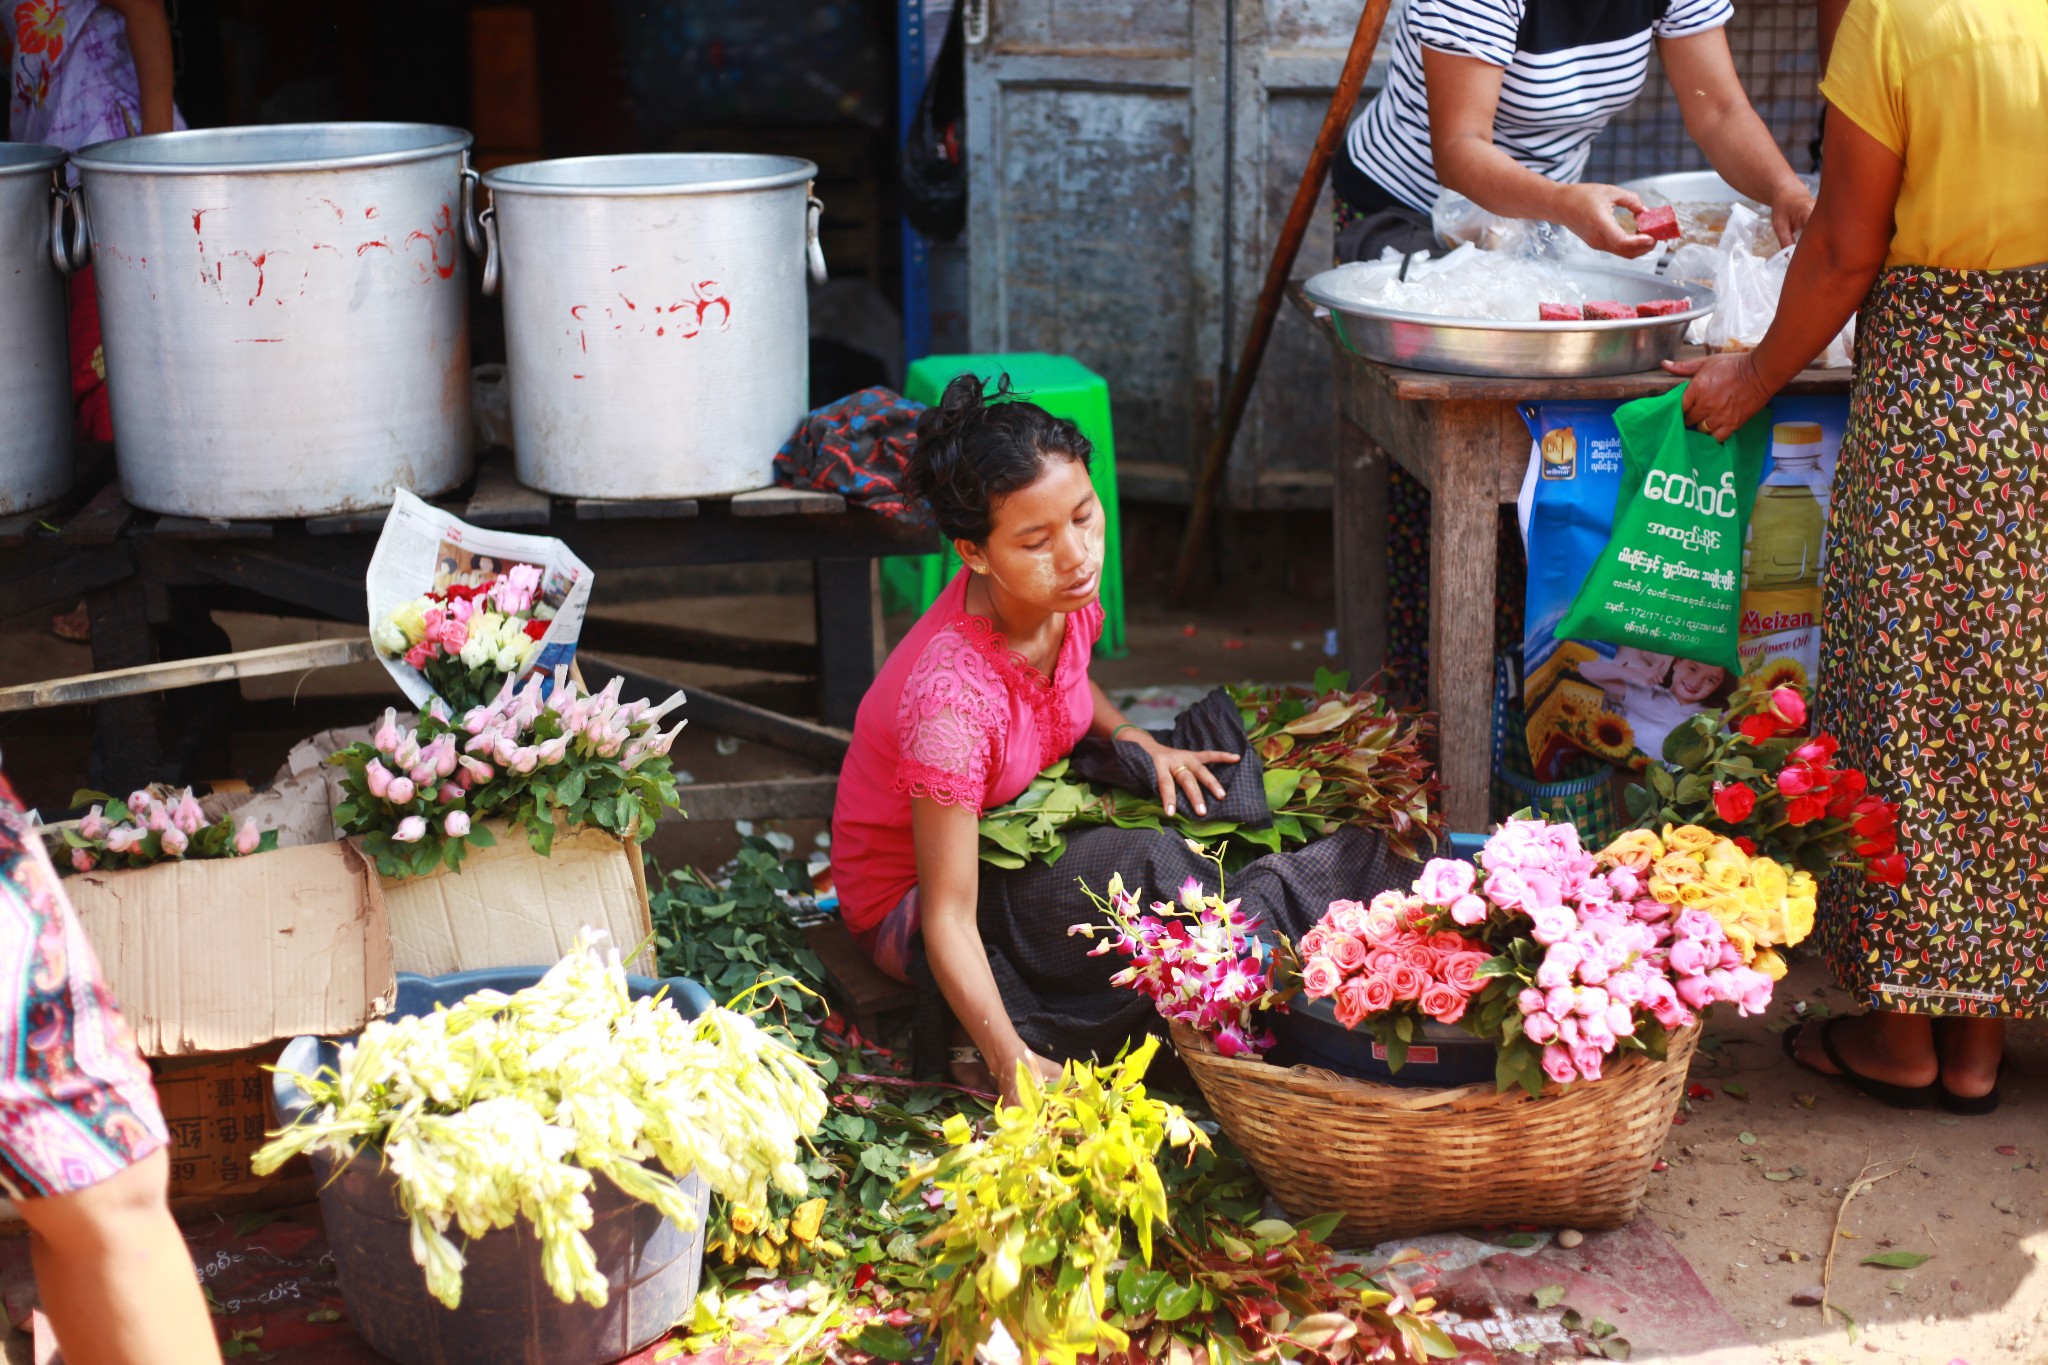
pixel 1757 1179
pixel 1757 1169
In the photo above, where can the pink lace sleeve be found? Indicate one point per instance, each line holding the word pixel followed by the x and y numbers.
pixel 950 723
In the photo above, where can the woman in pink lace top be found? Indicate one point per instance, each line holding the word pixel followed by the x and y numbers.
pixel 987 689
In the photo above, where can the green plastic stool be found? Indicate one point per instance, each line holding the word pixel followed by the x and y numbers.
pixel 1064 387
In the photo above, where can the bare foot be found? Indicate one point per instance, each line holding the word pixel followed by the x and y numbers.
pixel 1970 1052
pixel 1895 1048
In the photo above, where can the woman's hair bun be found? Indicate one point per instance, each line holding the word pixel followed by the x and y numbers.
pixel 976 448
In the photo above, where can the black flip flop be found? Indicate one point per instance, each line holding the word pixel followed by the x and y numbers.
pixel 1973 1105
pixel 1884 1092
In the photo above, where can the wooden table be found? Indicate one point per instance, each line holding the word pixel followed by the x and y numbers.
pixel 1465 439
pixel 153 580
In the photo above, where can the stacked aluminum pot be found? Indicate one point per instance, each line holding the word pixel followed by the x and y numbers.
pixel 285 314
pixel 35 377
pixel 656 319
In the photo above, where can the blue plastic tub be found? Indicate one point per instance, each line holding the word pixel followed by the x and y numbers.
pixel 1444 1055
pixel 508 1316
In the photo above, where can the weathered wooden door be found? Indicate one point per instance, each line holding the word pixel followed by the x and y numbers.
pixel 1096 158
pixel 1129 161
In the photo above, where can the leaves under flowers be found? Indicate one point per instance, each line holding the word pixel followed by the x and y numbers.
pixel 1332 757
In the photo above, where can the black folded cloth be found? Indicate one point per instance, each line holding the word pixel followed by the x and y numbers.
pixel 1210 724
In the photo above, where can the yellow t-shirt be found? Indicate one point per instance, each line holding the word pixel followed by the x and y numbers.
pixel 1959 89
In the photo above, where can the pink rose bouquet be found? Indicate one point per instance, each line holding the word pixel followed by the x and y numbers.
pixel 1385 967
pixel 466 640
pixel 1197 958
pixel 1559 955
pixel 153 825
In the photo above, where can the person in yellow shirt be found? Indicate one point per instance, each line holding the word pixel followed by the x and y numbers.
pixel 1933 217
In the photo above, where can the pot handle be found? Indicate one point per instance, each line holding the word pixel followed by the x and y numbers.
pixel 487 229
pixel 76 254
pixel 472 231
pixel 813 251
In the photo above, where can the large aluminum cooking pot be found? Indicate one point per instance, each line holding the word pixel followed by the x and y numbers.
pixel 35 378
pixel 656 322
pixel 285 314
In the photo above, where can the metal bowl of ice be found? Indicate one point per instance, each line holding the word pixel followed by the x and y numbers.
pixel 1469 314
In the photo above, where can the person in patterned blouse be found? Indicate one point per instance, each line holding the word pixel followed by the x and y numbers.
pixel 81 1137
pixel 1933 222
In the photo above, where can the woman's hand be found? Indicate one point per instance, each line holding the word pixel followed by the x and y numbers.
pixel 1006 1072
pixel 1185 772
pixel 1725 392
pixel 1588 210
pixel 1789 212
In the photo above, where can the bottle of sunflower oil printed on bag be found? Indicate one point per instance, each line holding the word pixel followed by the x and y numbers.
pixel 1783 557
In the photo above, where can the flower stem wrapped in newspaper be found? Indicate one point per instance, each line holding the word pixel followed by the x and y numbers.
pixel 542 755
pixel 507 1107
pixel 456 610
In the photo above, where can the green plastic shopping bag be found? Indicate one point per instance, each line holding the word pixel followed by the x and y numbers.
pixel 1670 580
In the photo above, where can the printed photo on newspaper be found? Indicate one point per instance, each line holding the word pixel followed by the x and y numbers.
pixel 456 609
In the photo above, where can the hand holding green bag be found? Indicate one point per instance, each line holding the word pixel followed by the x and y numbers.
pixel 1670 580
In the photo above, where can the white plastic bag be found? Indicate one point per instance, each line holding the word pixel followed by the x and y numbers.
pixel 1746 288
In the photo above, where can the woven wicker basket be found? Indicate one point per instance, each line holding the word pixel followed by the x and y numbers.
pixel 1398 1163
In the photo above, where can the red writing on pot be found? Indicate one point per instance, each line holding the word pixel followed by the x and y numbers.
pixel 706 308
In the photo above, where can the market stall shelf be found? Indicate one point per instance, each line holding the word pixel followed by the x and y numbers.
pixel 1463 437
pixel 151 581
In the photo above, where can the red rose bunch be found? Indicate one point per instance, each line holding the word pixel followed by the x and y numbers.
pixel 1758 773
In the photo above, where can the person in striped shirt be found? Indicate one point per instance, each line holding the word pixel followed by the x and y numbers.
pixel 1500 100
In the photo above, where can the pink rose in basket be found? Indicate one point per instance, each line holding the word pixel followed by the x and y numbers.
pixel 1461 970
pixel 1508 889
pixel 1588 1060
pixel 1345 917
pixel 1444 942
pixel 1382 961
pixel 1540 1027
pixel 1352 1002
pixel 1314 941
pixel 1379 993
pixel 1469 910
pixel 1546 890
pixel 1409 982
pixel 1552 925
pixel 1385 916
pixel 1320 978
pixel 1443 1004
pixel 1557 1064
pixel 1444 880
pixel 1348 953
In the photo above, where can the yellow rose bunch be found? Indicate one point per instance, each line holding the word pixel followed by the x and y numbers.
pixel 1760 906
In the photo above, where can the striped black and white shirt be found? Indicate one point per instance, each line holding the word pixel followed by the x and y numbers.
pixel 1570 65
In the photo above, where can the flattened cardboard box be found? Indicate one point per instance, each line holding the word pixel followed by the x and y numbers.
pixel 510 907
pixel 224 954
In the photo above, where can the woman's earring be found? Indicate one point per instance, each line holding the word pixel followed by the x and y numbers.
pixel 981 568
